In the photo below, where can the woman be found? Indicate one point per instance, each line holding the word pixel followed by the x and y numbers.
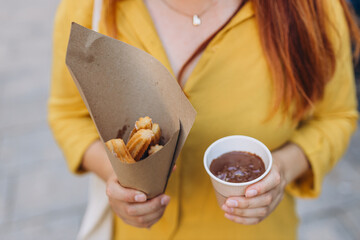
pixel 279 71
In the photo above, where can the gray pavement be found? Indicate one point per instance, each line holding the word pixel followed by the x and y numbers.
pixel 40 199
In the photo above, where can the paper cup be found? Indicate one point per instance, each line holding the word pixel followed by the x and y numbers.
pixel 225 189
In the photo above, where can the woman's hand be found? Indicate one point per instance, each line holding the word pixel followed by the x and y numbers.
pixel 132 206
pixel 262 198
pixel 129 204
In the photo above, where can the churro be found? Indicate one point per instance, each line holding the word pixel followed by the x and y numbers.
pixel 142 123
pixel 118 148
pixel 157 134
pixel 139 143
pixel 143 141
pixel 154 149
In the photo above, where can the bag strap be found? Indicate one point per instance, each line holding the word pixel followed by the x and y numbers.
pixel 96 14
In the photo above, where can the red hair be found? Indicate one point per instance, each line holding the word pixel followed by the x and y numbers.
pixel 296 44
pixel 298 49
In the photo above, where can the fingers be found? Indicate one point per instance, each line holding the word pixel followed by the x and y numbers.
pixel 151 206
pixel 145 214
pixel 250 212
pixel 249 216
pixel 145 221
pixel 243 220
pixel 260 199
pixel 272 180
pixel 133 207
pixel 255 202
pixel 115 191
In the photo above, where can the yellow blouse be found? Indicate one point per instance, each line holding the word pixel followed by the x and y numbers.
pixel 231 90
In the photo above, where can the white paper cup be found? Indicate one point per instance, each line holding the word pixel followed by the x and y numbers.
pixel 225 189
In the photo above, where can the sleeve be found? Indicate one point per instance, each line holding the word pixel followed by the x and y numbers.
pixel 68 117
pixel 325 136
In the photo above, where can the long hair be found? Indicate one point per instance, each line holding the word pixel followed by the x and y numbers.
pixel 295 39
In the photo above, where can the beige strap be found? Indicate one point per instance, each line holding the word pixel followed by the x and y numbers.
pixel 96 14
pixel 98 219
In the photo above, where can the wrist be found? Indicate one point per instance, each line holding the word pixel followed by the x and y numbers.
pixel 291 161
pixel 96 160
pixel 281 165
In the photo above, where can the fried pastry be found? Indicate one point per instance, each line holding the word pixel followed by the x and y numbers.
pixel 118 148
pixel 154 149
pixel 157 134
pixel 142 123
pixel 139 143
pixel 143 141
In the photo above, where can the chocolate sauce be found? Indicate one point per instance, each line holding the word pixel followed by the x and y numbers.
pixel 237 167
pixel 121 132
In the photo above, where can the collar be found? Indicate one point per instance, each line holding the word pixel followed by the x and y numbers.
pixel 139 17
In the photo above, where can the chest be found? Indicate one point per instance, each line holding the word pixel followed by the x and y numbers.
pixel 231 86
pixel 179 37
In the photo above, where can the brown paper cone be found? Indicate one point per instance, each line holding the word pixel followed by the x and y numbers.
pixel 120 83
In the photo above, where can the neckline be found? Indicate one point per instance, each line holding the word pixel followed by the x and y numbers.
pixel 146 31
pixel 201 48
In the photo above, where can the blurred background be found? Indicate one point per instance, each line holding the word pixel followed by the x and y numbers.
pixel 40 199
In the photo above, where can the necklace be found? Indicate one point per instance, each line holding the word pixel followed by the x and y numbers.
pixel 196 21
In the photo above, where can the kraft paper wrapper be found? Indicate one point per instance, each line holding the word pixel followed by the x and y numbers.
pixel 120 83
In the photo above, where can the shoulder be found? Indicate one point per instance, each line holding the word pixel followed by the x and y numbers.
pixel 338 26
pixel 79 11
pixel 335 13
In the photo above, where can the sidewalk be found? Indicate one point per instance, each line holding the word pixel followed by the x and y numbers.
pixel 336 213
pixel 40 199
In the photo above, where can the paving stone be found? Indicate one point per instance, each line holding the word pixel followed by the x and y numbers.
pixel 25 68
pixel 56 226
pixel 19 113
pixel 353 153
pixel 20 57
pixel 49 187
pixel 23 152
pixel 20 87
pixel 27 36
pixel 3 198
pixel 340 187
pixel 329 229
pixel 24 95
pixel 351 220
pixel 3 51
pixel 45 193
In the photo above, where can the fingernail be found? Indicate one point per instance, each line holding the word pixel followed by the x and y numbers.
pixel 228 216
pixel 165 200
pixel 231 203
pixel 251 193
pixel 227 209
pixel 140 198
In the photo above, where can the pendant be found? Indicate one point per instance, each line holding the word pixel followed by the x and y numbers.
pixel 196 20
